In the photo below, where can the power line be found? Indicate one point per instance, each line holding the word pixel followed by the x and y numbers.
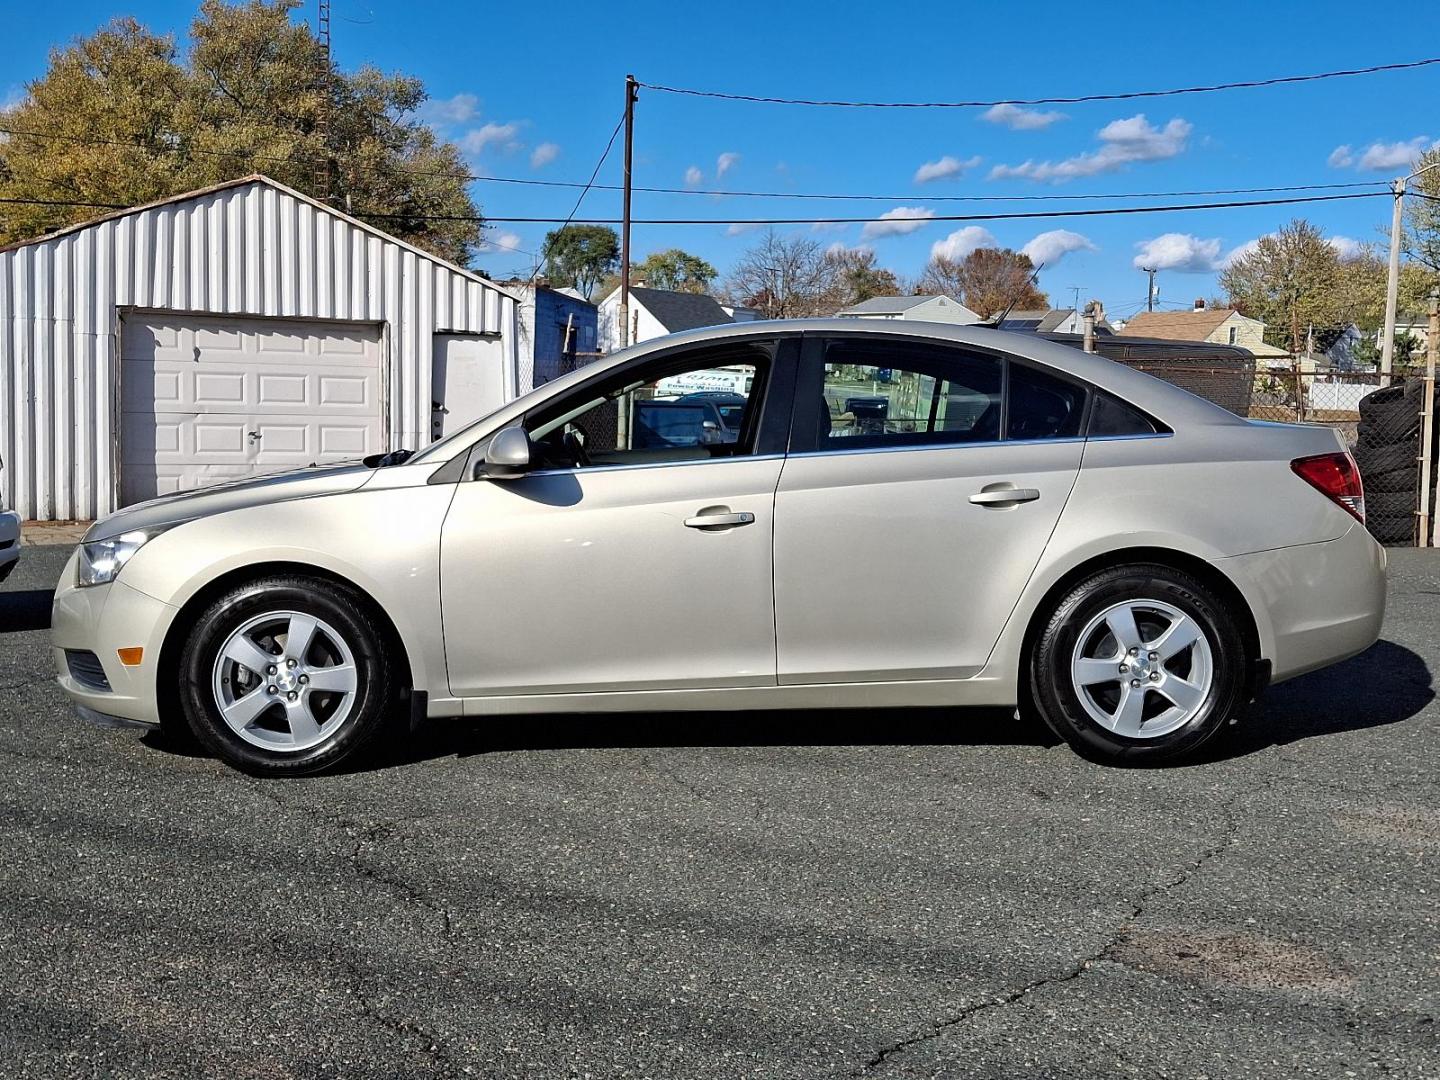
pixel 586 190
pixel 936 218
pixel 254 157
pixel 1075 100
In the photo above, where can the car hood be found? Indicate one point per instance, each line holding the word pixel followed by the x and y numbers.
pixel 235 495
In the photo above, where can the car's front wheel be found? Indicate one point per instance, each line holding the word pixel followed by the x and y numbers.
pixel 286 676
pixel 1139 663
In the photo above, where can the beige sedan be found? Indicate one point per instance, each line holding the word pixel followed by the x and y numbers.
pixel 908 515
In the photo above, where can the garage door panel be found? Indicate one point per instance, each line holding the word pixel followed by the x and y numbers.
pixel 194 388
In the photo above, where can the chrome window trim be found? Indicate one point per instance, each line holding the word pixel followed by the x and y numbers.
pixel 591 469
pixel 988 443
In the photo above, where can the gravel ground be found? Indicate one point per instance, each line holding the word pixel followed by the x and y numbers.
pixel 931 893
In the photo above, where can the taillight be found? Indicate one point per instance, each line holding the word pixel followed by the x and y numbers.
pixel 1336 477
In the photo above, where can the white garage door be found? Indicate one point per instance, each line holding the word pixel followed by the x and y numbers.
pixel 213 398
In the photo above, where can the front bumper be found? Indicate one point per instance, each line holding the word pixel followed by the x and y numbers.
pixel 104 619
pixel 1317 604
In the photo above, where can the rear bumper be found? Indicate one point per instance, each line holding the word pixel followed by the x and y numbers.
pixel 1315 604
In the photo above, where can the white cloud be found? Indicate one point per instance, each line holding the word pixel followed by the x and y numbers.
pixel 1050 247
pixel 1180 252
pixel 693 175
pixel 459 109
pixel 1382 156
pixel 477 139
pixel 1122 143
pixel 1235 254
pixel 503 242
pixel 725 162
pixel 839 247
pixel 1017 118
pixel 1341 157
pixel 961 242
pixel 943 169
pixel 889 226
pixel 1346 247
pixel 740 227
pixel 14 96
pixel 544 154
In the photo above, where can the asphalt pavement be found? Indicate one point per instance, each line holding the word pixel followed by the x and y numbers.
pixel 887 894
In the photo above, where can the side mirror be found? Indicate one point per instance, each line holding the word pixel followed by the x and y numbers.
pixel 507 457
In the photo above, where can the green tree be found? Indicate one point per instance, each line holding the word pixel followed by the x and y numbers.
pixel 580 256
pixel 1421 239
pixel 675 270
pixel 1292 280
pixel 858 278
pixel 123 117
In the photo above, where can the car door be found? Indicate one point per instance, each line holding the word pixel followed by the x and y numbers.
pixel 922 486
pixel 636 555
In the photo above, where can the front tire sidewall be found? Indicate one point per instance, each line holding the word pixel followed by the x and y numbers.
pixel 1055 691
pixel 325 600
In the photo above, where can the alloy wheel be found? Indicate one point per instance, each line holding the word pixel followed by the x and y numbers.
pixel 285 681
pixel 1142 669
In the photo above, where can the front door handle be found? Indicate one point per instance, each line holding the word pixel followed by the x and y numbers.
pixel 719 521
pixel 1004 496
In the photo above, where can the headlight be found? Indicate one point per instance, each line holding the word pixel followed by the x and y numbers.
pixel 101 560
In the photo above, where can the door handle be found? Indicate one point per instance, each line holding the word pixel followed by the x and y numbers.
pixel 253 436
pixel 719 521
pixel 1004 496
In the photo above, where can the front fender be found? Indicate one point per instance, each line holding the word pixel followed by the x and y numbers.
pixel 385 540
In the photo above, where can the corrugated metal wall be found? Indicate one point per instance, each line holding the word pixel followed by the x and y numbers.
pixel 250 249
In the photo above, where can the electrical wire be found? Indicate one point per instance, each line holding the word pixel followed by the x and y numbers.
pixel 586 190
pixel 1073 100
pixel 923 219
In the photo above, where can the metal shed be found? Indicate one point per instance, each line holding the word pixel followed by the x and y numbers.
pixel 227 332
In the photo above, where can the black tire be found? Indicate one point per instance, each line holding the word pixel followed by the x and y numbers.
pixel 1382 402
pixel 1387 430
pixel 1058 700
pixel 339 608
pixel 1383 459
pixel 1390 516
pixel 1396 480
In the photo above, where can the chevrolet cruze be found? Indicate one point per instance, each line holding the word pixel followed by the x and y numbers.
pixel 909 515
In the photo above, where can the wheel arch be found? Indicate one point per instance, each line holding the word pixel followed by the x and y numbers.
pixel 167 670
pixel 1225 588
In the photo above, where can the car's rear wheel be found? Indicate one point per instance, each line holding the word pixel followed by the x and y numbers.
pixel 286 676
pixel 1139 663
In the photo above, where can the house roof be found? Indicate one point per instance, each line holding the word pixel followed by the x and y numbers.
pixel 678 311
pixel 1045 320
pixel 258 178
pixel 1177 325
pixel 891 305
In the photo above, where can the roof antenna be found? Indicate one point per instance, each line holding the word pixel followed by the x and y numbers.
pixel 995 322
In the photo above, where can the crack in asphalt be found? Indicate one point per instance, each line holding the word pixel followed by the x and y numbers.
pixel 1229 837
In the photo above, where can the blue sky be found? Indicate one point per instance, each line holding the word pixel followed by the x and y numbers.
pixel 534 90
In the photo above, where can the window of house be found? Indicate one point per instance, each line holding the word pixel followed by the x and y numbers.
pixel 1234 334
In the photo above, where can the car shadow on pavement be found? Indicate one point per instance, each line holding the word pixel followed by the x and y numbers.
pixel 756 727
pixel 23 610
pixel 1344 697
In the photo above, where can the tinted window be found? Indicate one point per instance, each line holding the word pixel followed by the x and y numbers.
pixel 1110 416
pixel 1042 406
pixel 880 394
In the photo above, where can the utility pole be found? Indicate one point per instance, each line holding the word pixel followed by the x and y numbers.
pixel 1392 285
pixel 1150 292
pixel 1423 536
pixel 632 91
pixel 325 174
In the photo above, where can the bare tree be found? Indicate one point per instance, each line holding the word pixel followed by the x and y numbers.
pixel 785 277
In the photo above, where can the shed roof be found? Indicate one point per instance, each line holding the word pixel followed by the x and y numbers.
pixel 259 178
pixel 1177 325
pixel 890 305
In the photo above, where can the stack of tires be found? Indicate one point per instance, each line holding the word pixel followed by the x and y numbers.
pixel 1387 452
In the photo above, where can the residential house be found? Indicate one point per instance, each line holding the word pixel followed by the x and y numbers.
pixel 1220 326
pixel 912 309
pixel 1053 321
pixel 657 312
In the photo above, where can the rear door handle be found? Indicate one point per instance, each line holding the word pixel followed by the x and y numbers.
pixel 719 521
pixel 1006 496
